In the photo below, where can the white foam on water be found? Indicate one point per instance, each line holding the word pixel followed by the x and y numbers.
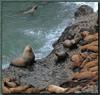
pixel 5 60
pixel 94 5
pixel 55 33
pixel 51 37
pixel 33 33
pixel 29 32
pixel 4 66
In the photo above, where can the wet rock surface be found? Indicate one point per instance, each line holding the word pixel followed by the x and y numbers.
pixel 48 71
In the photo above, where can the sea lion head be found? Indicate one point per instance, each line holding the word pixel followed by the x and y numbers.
pixel 36 7
pixel 28 54
pixel 67 43
pixel 28 51
pixel 84 34
pixel 28 48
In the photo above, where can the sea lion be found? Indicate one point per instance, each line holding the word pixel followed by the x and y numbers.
pixel 56 89
pixel 84 34
pixel 77 60
pixel 95 68
pixel 28 54
pixel 5 89
pixel 84 75
pixel 61 56
pixel 90 64
pixel 29 10
pixel 19 89
pixel 92 69
pixel 10 82
pixel 91 38
pixel 90 56
pixel 27 58
pixel 94 43
pixel 34 90
pixel 20 62
pixel 89 48
pixel 69 43
pixel 74 89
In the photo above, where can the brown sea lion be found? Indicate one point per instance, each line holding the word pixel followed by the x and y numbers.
pixel 84 34
pixel 74 89
pixel 90 48
pixel 10 82
pixel 28 54
pixel 19 89
pixel 21 62
pixel 84 75
pixel 90 56
pixel 56 89
pixel 77 60
pixel 91 38
pixel 27 58
pixel 94 43
pixel 92 69
pixel 34 90
pixel 95 68
pixel 90 64
pixel 5 89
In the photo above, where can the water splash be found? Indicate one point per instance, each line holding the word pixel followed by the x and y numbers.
pixel 50 38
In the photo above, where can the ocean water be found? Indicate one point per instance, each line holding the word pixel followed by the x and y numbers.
pixel 40 29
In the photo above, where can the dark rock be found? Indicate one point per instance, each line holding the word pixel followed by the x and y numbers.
pixel 83 10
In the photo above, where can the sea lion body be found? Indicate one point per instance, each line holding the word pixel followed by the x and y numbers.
pixel 29 10
pixel 84 75
pixel 19 89
pixel 67 43
pixel 84 34
pixel 95 68
pixel 91 48
pixel 28 53
pixel 18 62
pixel 56 89
pixel 5 89
pixel 90 64
pixel 74 89
pixel 10 84
pixel 90 38
pixel 61 56
pixel 27 58
pixel 77 60
pixel 34 90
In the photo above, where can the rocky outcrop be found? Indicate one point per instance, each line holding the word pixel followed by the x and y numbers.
pixel 48 70
pixel 83 10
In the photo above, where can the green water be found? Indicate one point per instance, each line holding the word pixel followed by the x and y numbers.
pixel 39 30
